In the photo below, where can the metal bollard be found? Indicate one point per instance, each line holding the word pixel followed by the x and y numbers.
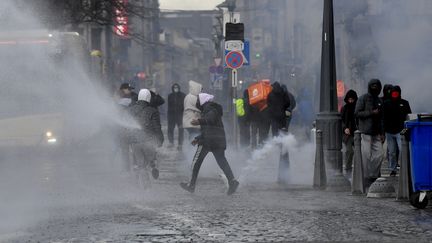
pixel 320 177
pixel 403 190
pixel 357 185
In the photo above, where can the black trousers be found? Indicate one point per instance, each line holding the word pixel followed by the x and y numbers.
pixel 277 125
pixel 219 155
pixel 172 123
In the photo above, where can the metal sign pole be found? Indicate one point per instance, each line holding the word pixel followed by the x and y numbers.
pixel 235 118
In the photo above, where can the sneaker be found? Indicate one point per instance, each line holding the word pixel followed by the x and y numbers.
pixel 186 187
pixel 155 173
pixel 393 174
pixel 233 187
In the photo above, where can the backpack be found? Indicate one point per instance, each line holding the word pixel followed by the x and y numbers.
pixel 258 93
pixel 240 109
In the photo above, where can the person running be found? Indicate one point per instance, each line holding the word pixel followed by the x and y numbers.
pixel 212 139
pixel 150 136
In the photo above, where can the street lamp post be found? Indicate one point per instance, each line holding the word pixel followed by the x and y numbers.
pixel 328 119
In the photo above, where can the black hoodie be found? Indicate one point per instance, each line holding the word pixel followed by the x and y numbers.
pixel 368 122
pixel 278 102
pixel 212 129
pixel 347 112
pixel 175 104
pixel 395 112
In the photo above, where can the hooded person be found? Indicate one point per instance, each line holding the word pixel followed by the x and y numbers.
pixel 387 89
pixel 191 112
pixel 349 126
pixel 278 101
pixel 175 114
pixel 395 113
pixel 291 107
pixel 150 135
pixel 212 139
pixel 368 112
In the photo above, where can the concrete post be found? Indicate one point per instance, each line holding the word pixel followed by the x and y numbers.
pixel 357 186
pixel 403 189
pixel 320 177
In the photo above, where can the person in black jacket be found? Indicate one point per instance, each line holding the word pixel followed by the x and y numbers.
pixel 278 102
pixel 156 100
pixel 396 112
pixel 126 91
pixel 212 139
pixel 175 115
pixel 349 126
pixel 368 111
pixel 150 135
pixel 387 89
pixel 290 109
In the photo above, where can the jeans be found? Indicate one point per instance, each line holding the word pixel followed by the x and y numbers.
pixel 372 158
pixel 199 157
pixel 393 149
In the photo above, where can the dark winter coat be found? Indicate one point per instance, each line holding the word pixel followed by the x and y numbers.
pixel 149 119
pixel 156 100
pixel 369 123
pixel 278 102
pixel 387 89
pixel 347 113
pixel 395 113
pixel 175 105
pixel 212 129
pixel 292 101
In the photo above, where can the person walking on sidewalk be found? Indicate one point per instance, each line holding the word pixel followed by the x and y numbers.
pixel 212 139
pixel 368 111
pixel 175 115
pixel 396 112
pixel 349 126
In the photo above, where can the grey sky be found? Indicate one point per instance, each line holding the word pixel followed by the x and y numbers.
pixel 189 4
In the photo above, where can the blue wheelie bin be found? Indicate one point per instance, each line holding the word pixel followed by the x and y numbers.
pixel 420 136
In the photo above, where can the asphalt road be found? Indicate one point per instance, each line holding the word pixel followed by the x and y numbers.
pixel 86 198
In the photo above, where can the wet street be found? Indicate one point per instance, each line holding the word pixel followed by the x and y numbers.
pixel 87 199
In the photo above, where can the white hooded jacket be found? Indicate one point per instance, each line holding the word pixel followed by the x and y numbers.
pixel 191 112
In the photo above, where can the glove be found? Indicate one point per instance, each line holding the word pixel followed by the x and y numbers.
pixel 287 113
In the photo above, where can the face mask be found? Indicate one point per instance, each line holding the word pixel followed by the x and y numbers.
pixel 375 91
pixel 176 90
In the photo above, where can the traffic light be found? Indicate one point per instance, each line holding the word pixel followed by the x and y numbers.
pixel 234 31
pixel 258 55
